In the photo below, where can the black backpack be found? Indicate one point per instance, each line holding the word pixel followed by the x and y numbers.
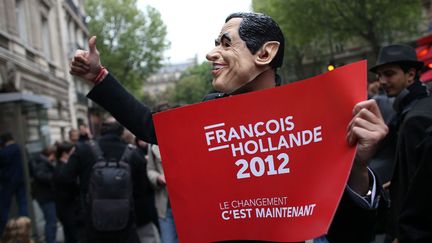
pixel 110 191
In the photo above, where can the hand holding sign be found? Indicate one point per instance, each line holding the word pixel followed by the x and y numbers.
pixel 366 129
pixel 161 180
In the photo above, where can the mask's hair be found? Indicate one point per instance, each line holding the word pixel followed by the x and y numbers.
pixel 256 29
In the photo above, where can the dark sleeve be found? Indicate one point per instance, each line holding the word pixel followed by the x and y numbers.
pixel 122 105
pixel 71 170
pixel 352 223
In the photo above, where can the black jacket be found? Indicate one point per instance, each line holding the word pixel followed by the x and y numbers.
pixel 65 191
pixel 414 116
pixel 415 221
pixel 43 179
pixel 351 224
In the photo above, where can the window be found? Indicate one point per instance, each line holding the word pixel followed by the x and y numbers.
pixel 71 30
pixel 46 38
pixel 21 20
pixel 2 78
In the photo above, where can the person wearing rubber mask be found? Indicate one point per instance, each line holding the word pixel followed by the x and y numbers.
pixel 247 53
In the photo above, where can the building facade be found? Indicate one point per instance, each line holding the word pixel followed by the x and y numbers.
pixel 39 100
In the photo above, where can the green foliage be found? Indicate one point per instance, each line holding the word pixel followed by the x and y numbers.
pixel 313 27
pixel 131 42
pixel 150 99
pixel 192 86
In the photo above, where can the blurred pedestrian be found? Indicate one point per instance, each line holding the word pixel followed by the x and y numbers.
pixel 43 167
pixel 18 230
pixel 73 135
pixel 84 133
pixel 67 196
pixel 145 208
pixel 156 175
pixel 12 182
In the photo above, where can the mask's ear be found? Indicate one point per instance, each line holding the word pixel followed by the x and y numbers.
pixel 267 52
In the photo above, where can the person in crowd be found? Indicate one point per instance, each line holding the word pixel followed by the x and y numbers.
pixel 43 167
pixel 18 230
pixel 12 182
pixel 67 196
pixel 248 52
pixel 397 69
pixel 73 135
pixel 80 166
pixel 84 133
pixel 156 175
pixel 128 137
pixel 146 214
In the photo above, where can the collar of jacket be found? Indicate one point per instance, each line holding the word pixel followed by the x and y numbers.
pixel 406 99
pixel 216 95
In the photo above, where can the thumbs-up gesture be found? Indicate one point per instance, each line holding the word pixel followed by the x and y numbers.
pixel 86 64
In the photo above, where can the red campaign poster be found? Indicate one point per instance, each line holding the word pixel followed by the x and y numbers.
pixel 269 165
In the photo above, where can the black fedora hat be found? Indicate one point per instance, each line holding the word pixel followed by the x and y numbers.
pixel 397 53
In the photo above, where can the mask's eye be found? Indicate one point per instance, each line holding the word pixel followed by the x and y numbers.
pixel 226 43
pixel 217 42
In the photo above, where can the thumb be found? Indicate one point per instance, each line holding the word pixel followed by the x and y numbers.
pixel 92 44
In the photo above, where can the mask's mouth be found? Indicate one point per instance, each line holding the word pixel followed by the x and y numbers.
pixel 217 66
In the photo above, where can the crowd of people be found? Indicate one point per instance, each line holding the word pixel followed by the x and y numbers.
pixel 390 199
pixel 59 185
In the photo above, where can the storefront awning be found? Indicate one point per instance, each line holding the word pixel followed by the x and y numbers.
pixel 25 97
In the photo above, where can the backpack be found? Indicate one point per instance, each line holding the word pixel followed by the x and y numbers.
pixel 110 191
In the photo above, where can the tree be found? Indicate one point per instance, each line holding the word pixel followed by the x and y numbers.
pixel 193 85
pixel 131 42
pixel 374 21
pixel 313 27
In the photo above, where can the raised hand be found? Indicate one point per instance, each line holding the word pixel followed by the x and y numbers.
pixel 86 64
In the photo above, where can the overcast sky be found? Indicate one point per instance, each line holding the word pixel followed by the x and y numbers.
pixel 194 24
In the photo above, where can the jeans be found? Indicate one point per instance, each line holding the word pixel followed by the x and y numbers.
pixel 49 212
pixel 7 191
pixel 321 239
pixel 167 227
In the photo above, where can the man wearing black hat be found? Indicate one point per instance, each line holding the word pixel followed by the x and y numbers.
pixel 397 71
